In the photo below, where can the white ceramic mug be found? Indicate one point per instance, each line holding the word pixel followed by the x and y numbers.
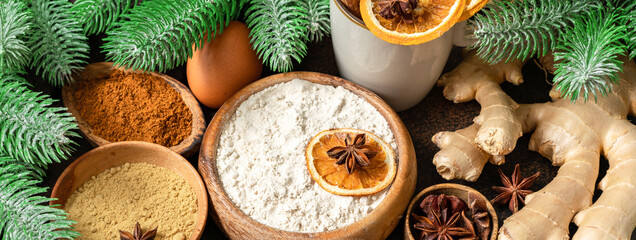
pixel 401 75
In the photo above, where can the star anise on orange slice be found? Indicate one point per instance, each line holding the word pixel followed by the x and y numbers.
pixel 397 8
pixel 410 22
pixel 353 153
pixel 350 162
pixel 515 189
pixel 137 234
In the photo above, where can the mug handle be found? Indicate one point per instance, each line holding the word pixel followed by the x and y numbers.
pixel 459 31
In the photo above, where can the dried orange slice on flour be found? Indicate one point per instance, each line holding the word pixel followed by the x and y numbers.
pixel 409 22
pixel 472 7
pixel 350 162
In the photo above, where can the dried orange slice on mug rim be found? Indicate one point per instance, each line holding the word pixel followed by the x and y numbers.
pixel 350 162
pixel 409 22
pixel 472 7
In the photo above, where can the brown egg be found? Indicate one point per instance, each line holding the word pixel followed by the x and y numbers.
pixel 223 66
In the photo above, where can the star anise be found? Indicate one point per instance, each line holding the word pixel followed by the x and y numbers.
pixel 480 216
pixel 437 225
pixel 389 9
pixel 353 153
pixel 515 190
pixel 440 227
pixel 137 235
pixel 438 202
pixel 468 225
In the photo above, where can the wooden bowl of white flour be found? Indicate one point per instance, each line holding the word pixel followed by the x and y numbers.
pixel 252 161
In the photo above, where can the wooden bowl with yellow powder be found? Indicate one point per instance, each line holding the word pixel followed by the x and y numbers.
pixel 112 187
pixel 279 184
pixel 111 104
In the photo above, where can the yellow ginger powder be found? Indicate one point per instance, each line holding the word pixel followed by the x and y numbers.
pixel 121 196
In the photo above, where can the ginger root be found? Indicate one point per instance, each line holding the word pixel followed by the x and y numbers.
pixel 572 136
pixel 459 157
pixel 496 129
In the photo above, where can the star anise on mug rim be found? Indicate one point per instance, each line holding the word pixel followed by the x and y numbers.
pixel 389 9
pixel 514 190
pixel 354 152
pixel 137 234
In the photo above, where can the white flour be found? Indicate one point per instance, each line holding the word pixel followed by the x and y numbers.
pixel 261 160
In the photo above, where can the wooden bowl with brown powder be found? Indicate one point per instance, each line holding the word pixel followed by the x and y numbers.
pixel 112 104
pixel 377 224
pixel 98 160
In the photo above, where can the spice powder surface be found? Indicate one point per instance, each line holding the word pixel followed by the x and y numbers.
pixel 121 196
pixel 133 107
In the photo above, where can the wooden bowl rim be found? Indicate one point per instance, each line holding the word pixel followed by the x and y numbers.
pixel 400 135
pixel 428 190
pixel 187 147
pixel 202 204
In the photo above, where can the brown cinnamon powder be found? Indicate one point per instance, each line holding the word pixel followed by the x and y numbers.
pixel 133 107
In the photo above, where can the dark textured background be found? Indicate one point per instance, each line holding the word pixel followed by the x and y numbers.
pixel 433 114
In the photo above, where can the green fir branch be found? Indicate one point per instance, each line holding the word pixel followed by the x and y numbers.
pixel 36 173
pixel 318 22
pixel 630 37
pixel 14 24
pixel 587 60
pixel 97 16
pixel 58 46
pixel 13 76
pixel 521 29
pixel 159 34
pixel 32 134
pixel 31 129
pixel 23 213
pixel 278 32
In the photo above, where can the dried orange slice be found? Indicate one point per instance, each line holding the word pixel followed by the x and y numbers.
pixel 409 22
pixel 350 162
pixel 472 7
